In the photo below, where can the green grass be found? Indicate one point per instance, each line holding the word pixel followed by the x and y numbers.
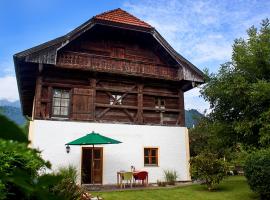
pixel 232 188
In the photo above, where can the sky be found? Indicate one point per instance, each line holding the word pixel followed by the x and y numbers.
pixel 202 31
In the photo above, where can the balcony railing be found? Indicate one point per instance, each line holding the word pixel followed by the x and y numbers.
pixel 116 65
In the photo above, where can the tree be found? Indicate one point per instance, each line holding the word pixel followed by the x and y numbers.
pixel 257 171
pixel 239 94
pixel 208 168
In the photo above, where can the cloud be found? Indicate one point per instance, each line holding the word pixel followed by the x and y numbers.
pixel 8 88
pixel 203 30
pixel 193 100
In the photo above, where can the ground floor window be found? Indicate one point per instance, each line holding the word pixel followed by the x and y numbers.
pixel 150 156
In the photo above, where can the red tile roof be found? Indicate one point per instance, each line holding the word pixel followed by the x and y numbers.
pixel 120 16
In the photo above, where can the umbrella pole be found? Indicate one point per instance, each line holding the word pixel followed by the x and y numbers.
pixel 93 165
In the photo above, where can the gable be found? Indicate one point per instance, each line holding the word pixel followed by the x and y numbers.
pixel 155 57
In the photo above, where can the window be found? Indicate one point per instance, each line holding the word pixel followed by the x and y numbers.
pixel 116 98
pixel 61 102
pixel 151 156
pixel 159 103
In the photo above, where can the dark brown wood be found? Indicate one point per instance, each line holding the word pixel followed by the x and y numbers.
pixel 140 104
pixel 37 109
pixel 82 104
pixel 113 81
pixel 89 173
pixel 100 63
pixel 93 83
pixel 181 116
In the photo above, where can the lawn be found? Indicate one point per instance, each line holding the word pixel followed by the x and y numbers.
pixel 232 188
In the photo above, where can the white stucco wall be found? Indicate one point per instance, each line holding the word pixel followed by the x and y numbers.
pixel 50 137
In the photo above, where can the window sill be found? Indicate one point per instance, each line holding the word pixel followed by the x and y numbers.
pixel 146 165
pixel 59 118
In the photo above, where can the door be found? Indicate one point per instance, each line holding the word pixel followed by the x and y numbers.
pixel 86 168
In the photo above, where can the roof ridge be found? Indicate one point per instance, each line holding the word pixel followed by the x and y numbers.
pixel 133 20
pixel 106 12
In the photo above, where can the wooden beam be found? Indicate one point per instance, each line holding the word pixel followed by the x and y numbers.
pixel 160 94
pixel 38 96
pixel 132 119
pixel 181 116
pixel 115 90
pixel 93 83
pixel 102 105
pixel 103 112
pixel 140 104
pixel 161 110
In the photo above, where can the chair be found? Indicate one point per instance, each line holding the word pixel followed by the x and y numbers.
pixel 128 177
pixel 141 176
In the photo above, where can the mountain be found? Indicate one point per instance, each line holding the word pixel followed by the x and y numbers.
pixel 12 110
pixel 191 117
pixel 4 102
pixel 13 113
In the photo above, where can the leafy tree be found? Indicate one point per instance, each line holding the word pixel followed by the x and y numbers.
pixel 239 94
pixel 257 171
pixel 208 168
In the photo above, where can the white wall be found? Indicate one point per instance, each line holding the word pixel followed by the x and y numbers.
pixel 50 137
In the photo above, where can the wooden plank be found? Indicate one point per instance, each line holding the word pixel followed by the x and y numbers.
pixel 93 83
pixel 181 116
pixel 140 104
pixel 38 97
pixel 115 106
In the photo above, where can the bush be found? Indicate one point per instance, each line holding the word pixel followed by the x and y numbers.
pixel 170 176
pixel 161 183
pixel 257 172
pixel 67 187
pixel 17 161
pixel 208 168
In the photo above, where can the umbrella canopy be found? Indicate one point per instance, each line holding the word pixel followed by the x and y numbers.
pixel 93 139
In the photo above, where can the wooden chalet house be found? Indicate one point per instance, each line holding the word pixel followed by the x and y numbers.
pixel 115 75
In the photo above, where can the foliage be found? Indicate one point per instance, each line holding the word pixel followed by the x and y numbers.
pixel 239 94
pixel 170 176
pixel 10 131
pixel 67 187
pixel 257 171
pixel 161 183
pixel 208 168
pixel 20 167
pixel 210 136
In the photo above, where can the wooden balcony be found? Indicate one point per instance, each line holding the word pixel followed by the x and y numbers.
pixel 109 64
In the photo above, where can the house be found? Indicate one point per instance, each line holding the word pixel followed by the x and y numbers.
pixel 115 75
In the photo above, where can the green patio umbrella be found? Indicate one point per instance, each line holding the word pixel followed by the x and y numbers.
pixel 93 139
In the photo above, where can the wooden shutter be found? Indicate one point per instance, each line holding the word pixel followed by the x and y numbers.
pixel 82 104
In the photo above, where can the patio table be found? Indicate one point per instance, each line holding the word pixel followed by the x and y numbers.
pixel 119 176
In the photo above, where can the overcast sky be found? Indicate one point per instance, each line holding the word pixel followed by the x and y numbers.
pixel 203 31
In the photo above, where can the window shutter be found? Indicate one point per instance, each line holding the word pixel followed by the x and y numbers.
pixel 82 104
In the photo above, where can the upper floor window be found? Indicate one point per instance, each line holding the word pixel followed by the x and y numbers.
pixel 117 98
pixel 151 156
pixel 61 103
pixel 160 103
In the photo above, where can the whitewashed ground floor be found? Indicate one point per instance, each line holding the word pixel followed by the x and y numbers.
pixel 50 138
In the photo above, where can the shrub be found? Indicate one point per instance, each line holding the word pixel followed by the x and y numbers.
pixel 161 183
pixel 170 176
pixel 208 168
pixel 257 172
pixel 67 187
pixel 17 161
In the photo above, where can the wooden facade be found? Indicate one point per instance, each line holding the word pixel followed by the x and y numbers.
pixel 109 74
